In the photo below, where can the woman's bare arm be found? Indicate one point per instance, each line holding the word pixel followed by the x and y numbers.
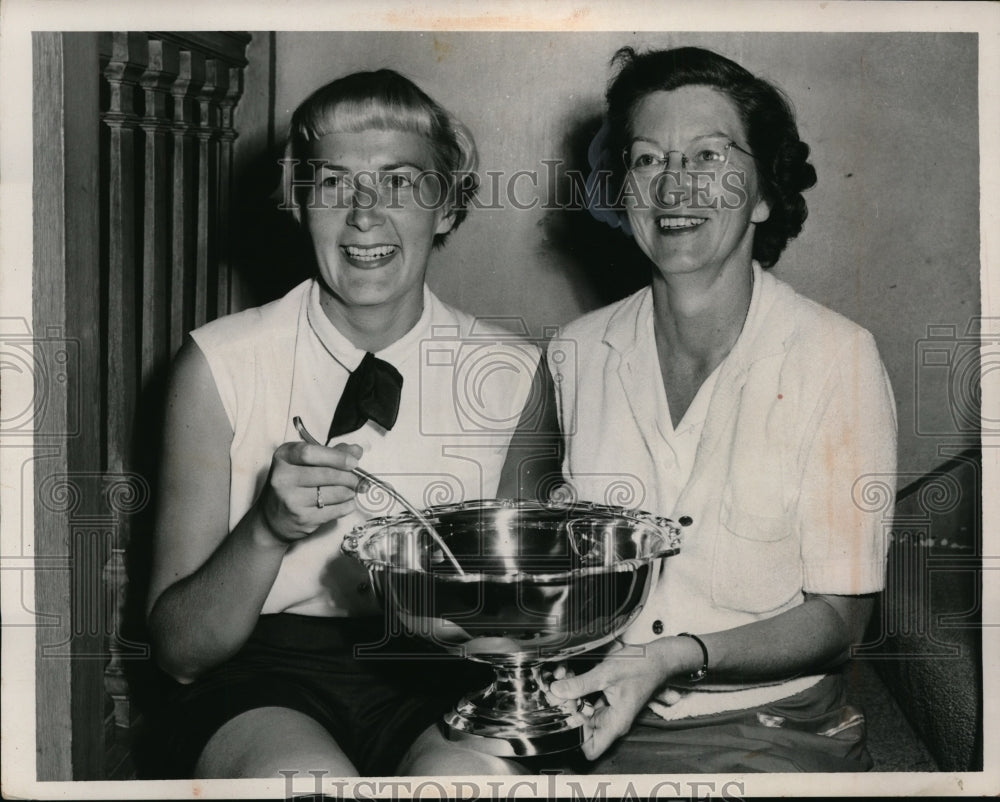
pixel 208 584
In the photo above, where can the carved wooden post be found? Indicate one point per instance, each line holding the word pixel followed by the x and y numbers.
pixel 161 70
pixel 123 495
pixel 126 67
pixel 207 133
pixel 227 135
pixel 128 61
pixel 184 242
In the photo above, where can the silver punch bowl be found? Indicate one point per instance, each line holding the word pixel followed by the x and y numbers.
pixel 525 583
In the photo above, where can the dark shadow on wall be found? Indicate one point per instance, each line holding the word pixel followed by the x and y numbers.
pixel 604 263
pixel 270 252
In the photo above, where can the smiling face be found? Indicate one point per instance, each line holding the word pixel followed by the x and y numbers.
pixel 686 221
pixel 373 221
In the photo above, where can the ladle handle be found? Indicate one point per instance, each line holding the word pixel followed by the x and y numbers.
pixel 388 488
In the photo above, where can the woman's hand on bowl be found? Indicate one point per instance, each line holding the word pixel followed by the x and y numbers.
pixel 555 671
pixel 625 682
pixel 307 487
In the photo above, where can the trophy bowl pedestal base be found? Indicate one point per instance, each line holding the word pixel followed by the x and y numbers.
pixel 514 717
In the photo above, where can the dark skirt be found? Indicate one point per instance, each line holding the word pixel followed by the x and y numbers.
pixel 373 694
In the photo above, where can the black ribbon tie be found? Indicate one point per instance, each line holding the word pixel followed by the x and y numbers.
pixel 371 393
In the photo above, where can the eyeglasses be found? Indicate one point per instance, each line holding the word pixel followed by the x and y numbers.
pixel 643 159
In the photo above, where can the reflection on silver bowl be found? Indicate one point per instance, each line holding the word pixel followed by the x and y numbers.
pixel 541 582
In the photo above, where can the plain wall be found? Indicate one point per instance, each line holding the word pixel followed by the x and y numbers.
pixel 892 239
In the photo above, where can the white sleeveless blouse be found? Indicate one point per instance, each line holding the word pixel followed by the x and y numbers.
pixel 465 384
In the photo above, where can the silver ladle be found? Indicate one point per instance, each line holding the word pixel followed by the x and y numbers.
pixel 388 488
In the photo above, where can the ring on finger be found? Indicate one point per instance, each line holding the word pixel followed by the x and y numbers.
pixel 319 499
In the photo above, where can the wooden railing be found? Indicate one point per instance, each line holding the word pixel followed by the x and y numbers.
pixel 133 154
pixel 168 150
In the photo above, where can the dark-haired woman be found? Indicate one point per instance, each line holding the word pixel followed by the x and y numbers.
pixel 743 410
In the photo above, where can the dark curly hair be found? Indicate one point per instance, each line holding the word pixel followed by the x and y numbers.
pixel 767 118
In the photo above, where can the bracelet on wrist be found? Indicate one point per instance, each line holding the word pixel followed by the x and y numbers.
pixel 701 673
